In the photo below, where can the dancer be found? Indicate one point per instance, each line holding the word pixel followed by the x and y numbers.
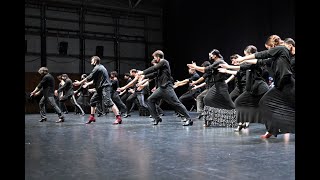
pixel 164 89
pixel 100 78
pixel 292 48
pixel 47 86
pixel 138 93
pixel 84 96
pixel 114 93
pixel 61 105
pixel 68 93
pixel 208 78
pixel 219 109
pixel 188 98
pixel 247 103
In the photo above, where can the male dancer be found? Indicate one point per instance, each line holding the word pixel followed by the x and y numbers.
pixel 100 77
pixel 47 86
pixel 164 89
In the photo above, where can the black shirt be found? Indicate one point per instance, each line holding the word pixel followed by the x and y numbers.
pixel 241 80
pixel 83 91
pixel 163 77
pixel 281 64
pixel 293 65
pixel 208 79
pixel 47 85
pixel 195 76
pixel 255 83
pixel 114 84
pixel 217 76
pixel 67 87
pixel 100 76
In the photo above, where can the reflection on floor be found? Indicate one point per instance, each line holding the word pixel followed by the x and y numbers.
pixel 138 150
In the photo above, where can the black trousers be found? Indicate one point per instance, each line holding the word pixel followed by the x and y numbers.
pixel 73 101
pixel 131 99
pixel 53 103
pixel 167 94
pixel 116 99
pixel 188 98
pixel 102 95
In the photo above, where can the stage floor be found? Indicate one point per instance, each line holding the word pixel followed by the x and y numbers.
pixel 138 150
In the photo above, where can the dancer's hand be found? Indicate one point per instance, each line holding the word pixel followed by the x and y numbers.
pixel 192 66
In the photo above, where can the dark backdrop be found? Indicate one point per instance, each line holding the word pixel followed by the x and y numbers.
pixel 193 28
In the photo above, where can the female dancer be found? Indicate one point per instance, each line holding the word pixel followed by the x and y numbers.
pixel 219 110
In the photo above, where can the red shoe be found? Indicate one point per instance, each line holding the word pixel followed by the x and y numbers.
pixel 118 120
pixel 266 136
pixel 91 119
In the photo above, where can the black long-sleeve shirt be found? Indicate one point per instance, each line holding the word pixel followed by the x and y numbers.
pixel 293 65
pixel 100 76
pixel 255 83
pixel 241 80
pixel 193 77
pixel 83 91
pixel 114 84
pixel 208 79
pixel 66 88
pixel 163 77
pixel 47 85
pixel 217 76
pixel 281 64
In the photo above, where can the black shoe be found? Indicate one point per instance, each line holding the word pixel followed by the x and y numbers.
pixel 61 119
pixel 43 119
pixel 238 129
pixel 100 114
pixel 184 119
pixel 161 114
pixel 157 121
pixel 126 115
pixel 207 123
pixel 189 122
pixel 245 125
pixel 200 116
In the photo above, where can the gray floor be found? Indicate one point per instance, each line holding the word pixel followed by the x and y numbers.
pixel 138 150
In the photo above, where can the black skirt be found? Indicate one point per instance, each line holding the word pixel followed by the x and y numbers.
pixel 219 108
pixel 278 109
pixel 248 109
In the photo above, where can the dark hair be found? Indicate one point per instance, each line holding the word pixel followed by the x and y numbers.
pixel 133 70
pixel 158 53
pixel 290 41
pixel 114 73
pixel 251 49
pixel 205 64
pixel 216 52
pixel 96 59
pixel 234 56
pixel 65 75
pixel 59 77
pixel 127 74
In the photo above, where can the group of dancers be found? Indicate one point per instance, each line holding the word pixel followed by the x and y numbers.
pixel 251 101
